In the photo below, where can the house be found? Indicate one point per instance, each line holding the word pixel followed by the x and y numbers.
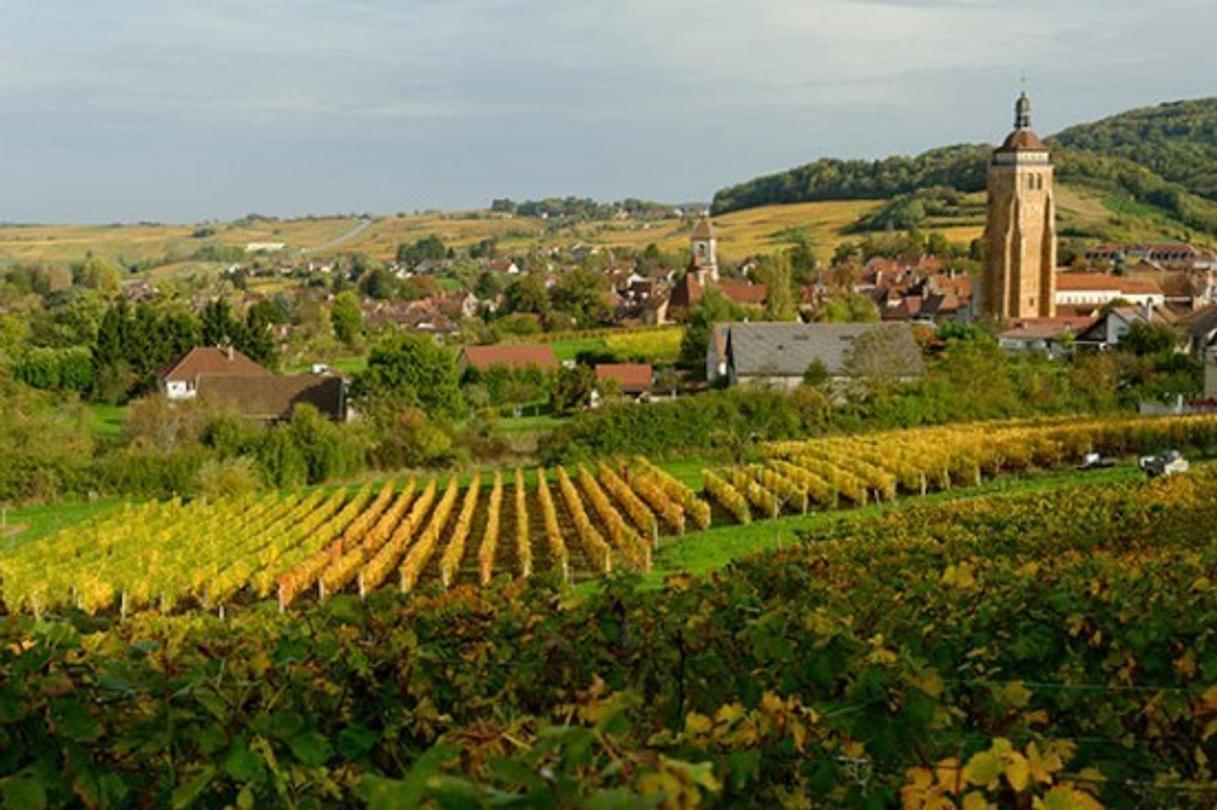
pixel 780 354
pixel 1051 335
pixel 506 266
pixel 1200 328
pixel 1098 289
pixel 514 356
pixel 690 288
pixel 632 379
pixel 272 397
pixel 1166 254
pixel 181 379
pixel 1110 327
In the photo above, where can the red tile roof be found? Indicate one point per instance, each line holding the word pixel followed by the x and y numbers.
pixel 512 356
pixel 743 292
pixel 211 360
pixel 1081 282
pixel 1046 328
pixel 634 378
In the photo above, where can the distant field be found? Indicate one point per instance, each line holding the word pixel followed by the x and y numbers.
pixel 134 243
pixel 741 233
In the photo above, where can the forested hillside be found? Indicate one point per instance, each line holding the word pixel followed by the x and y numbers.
pixel 1177 141
pixel 1162 157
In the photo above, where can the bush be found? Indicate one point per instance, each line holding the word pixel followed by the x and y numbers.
pixel 221 478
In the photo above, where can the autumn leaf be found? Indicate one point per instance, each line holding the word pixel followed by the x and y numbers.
pixel 1064 797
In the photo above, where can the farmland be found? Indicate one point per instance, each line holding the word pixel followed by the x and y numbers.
pixel 573 524
pixel 741 233
pixel 1046 648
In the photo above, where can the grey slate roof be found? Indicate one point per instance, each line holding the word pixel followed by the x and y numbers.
pixel 787 349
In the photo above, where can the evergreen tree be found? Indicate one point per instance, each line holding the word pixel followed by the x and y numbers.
pixel 219 326
pixel 257 338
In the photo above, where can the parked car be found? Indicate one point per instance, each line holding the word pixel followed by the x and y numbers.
pixel 1164 465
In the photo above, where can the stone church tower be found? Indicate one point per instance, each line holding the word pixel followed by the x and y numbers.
pixel 1019 278
pixel 705 252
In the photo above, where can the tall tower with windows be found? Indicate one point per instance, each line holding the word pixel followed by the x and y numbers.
pixel 1019 279
pixel 705 252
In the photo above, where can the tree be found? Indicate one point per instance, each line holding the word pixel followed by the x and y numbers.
pixel 427 248
pixel 97 274
pixel 1146 339
pixel 257 337
pixel 938 245
pixel 380 284
pixel 802 258
pixel 573 389
pixel 845 253
pixel 347 318
pixel 713 308
pixel 412 370
pixel 852 308
pixel 775 273
pixel 816 374
pixel 880 358
pixel 526 294
pixel 110 347
pixel 580 293
pixel 219 327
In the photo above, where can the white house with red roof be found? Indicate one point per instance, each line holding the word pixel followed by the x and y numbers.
pixel 181 379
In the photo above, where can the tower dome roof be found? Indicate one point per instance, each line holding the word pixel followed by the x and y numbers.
pixel 1023 140
pixel 703 229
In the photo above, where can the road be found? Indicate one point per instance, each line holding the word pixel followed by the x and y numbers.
pixel 363 225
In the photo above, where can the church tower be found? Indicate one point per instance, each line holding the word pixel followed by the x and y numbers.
pixel 705 252
pixel 1019 278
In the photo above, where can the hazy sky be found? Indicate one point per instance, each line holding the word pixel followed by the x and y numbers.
pixel 176 110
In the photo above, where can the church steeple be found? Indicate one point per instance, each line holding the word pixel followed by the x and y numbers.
pixel 1022 112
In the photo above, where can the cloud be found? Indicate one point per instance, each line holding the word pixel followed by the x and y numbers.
pixel 326 104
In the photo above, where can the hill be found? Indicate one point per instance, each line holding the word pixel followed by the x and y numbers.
pixel 1155 163
pixel 1177 141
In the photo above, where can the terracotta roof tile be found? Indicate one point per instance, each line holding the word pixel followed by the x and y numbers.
pixel 511 355
pixel 634 378
pixel 212 360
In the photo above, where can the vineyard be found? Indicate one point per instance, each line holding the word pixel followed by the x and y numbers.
pixel 312 545
pixel 1049 650
pixel 590 520
pixel 796 476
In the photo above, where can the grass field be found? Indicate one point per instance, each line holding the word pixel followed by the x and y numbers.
pixel 28 524
pixel 107 421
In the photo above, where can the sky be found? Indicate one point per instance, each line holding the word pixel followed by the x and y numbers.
pixel 185 110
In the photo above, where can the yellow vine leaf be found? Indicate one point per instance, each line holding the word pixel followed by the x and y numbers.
pixel 959 576
pixel 1064 797
pixel 985 768
pixel 1018 771
pixel 1015 695
pixel 698 724
pixel 977 801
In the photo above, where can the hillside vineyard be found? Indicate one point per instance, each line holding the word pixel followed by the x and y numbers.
pixel 579 523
